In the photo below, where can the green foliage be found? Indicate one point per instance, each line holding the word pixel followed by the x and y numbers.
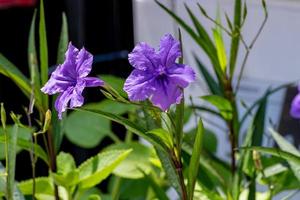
pixel 97 168
pixel 222 104
pixel 137 163
pixel 88 129
pixel 195 160
pixel 286 146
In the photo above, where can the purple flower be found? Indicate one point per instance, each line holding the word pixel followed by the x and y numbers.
pixel 156 75
pixel 295 106
pixel 70 78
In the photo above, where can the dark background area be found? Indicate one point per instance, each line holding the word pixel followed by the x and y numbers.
pixel 101 26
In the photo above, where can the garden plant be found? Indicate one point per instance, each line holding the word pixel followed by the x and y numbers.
pixel 166 161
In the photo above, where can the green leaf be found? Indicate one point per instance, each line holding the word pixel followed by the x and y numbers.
pixel 99 167
pixel 63 40
pixel 11 71
pixel 11 160
pixel 129 125
pixel 222 104
pixel 139 159
pixel 24 133
pixel 33 62
pixel 210 81
pixel 88 129
pixel 65 163
pixel 115 82
pixel 276 152
pixel 286 146
pixel 162 135
pixel 170 169
pixel 235 40
pixel 159 192
pixel 195 160
pixel 221 51
pixel 44 185
pixel 43 52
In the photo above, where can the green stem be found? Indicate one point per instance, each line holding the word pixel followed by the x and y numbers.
pixel 116 188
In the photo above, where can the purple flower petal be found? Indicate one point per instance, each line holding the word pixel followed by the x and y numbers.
pixel 62 101
pixel 58 82
pixel 295 107
pixel 77 99
pixel 143 57
pixel 182 75
pixel 71 54
pixel 139 85
pixel 93 82
pixel 169 50
pixel 166 94
pixel 84 63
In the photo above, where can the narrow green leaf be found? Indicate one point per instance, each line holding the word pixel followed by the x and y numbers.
pixel 33 62
pixel 276 152
pixel 286 146
pixel 163 135
pixel 201 30
pixel 210 81
pixel 178 132
pixel 195 160
pixel 129 125
pixel 63 40
pixel 170 170
pixel 221 51
pixel 159 192
pixel 12 72
pixel 228 22
pixel 97 168
pixel 12 144
pixel 235 40
pixel 115 82
pixel 222 104
pixel 27 145
pixel 43 52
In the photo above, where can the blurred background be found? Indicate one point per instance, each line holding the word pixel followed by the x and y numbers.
pixel 110 28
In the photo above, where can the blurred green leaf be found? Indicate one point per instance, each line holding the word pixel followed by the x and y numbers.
pixel 163 136
pixel 138 159
pixel 115 82
pixel 33 62
pixel 170 170
pixel 63 40
pixel 23 133
pixel 12 72
pixel 27 145
pixel 97 168
pixel 276 152
pixel 88 129
pixel 221 51
pixel 195 160
pixel 159 192
pixel 11 160
pixel 222 104
pixel 44 186
pixel 286 146
pixel 235 40
pixel 43 52
pixel 129 125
